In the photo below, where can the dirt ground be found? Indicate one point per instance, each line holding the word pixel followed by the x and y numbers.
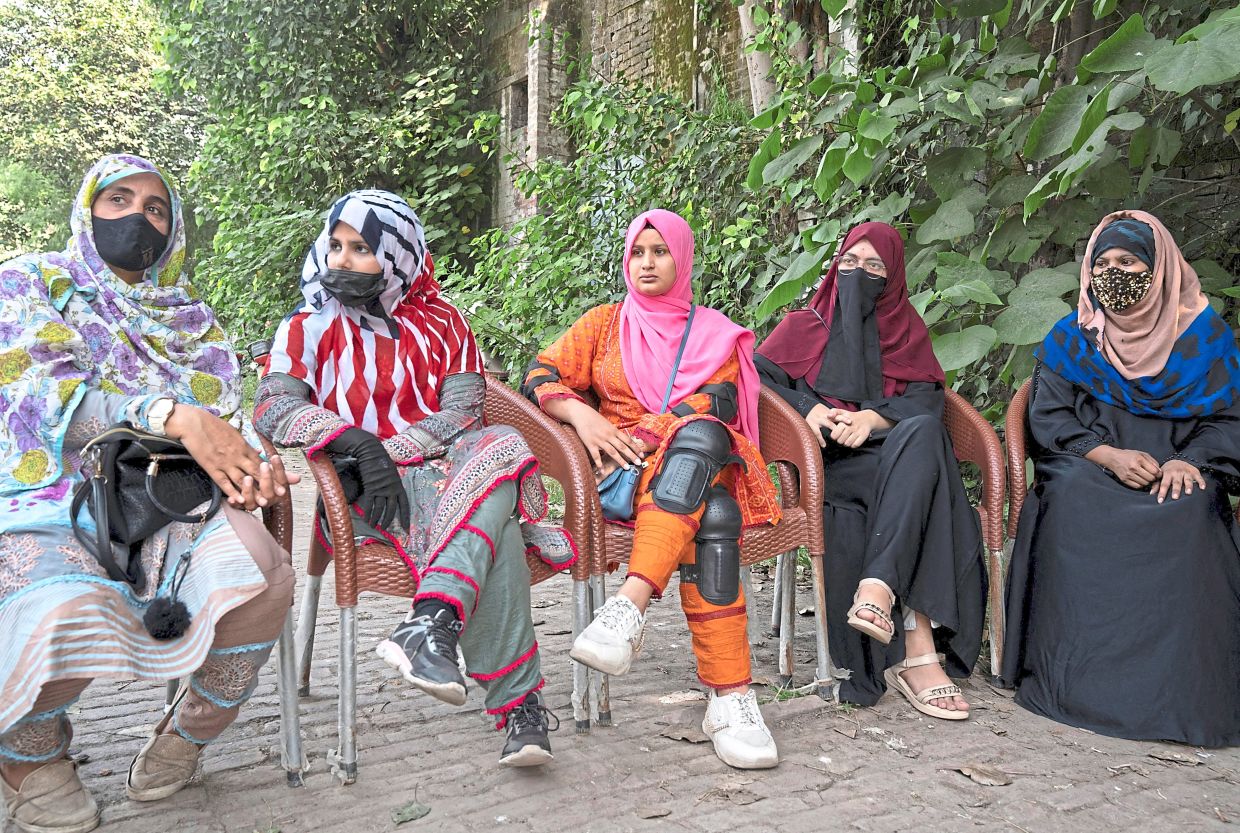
pixel 880 769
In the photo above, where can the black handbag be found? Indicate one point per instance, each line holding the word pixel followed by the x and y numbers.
pixel 140 483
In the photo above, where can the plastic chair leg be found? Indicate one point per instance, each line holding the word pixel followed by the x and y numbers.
pixel 602 693
pixel 292 756
pixel 307 618
pixel 583 613
pixel 787 615
pixel 825 671
pixel 346 768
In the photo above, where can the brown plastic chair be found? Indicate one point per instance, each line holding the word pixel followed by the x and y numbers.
pixel 975 441
pixel 379 569
pixel 788 444
pixel 1016 433
pixel 278 519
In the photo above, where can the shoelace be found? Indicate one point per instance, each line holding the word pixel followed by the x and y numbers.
pixel 533 715
pixel 748 712
pixel 621 617
pixel 441 637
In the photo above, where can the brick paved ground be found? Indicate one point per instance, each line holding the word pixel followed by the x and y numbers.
pixel 882 769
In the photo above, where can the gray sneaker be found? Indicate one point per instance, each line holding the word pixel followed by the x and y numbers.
pixel 52 799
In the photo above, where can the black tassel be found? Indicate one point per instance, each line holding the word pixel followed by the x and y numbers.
pixel 166 618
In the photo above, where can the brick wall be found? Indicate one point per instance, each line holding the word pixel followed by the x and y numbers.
pixel 669 44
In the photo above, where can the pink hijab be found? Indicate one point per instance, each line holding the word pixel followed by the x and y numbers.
pixel 1138 341
pixel 651 329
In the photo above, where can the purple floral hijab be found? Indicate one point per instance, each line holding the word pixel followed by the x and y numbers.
pixel 68 324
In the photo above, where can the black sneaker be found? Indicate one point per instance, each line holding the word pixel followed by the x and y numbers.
pixel 423 650
pixel 528 744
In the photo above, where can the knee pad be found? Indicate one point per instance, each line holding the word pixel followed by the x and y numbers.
pixel 718 549
pixel 692 461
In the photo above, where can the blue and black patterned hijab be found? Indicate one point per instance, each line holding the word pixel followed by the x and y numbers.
pixel 1169 355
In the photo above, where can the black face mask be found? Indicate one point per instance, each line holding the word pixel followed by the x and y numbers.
pixel 130 242
pixel 353 289
pixel 870 284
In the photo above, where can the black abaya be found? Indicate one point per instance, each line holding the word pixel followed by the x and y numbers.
pixel 896 509
pixel 1123 613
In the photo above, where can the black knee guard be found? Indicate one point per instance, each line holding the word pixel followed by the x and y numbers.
pixel 717 571
pixel 693 460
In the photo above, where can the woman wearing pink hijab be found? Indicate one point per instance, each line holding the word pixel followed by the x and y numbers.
pixel 694 427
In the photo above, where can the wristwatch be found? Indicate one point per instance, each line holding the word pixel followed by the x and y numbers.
pixel 157 415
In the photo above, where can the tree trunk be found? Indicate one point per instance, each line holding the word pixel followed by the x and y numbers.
pixel 762 89
pixel 1083 35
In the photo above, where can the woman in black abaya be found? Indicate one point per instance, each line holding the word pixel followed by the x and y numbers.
pixel 1123 593
pixel 899 528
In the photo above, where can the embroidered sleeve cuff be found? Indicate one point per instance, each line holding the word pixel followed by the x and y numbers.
pixel 311 428
pixel 410 447
pixel 1193 461
pixel 1085 445
pixel 554 390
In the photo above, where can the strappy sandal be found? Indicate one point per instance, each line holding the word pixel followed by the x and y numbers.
pixel 920 700
pixel 871 629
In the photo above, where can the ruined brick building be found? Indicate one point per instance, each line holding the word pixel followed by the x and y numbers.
pixel 670 44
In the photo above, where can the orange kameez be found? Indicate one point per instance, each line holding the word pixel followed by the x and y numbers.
pixel 587 357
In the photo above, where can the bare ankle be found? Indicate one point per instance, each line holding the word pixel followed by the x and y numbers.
pixel 636 591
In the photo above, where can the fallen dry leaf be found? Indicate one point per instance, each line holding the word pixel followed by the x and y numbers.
pixel 653 812
pixel 743 796
pixel 678 697
pixel 1174 757
pixel 849 732
pixel 541 603
pixel 409 812
pixel 691 733
pixel 987 776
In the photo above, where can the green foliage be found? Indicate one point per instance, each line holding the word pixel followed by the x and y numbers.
pixel 313 101
pixel 79 81
pixel 997 166
pixel 635 149
pixel 34 212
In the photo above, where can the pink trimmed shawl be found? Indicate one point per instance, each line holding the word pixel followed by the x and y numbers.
pixel 651 329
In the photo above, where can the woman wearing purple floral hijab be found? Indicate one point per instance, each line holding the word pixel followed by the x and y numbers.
pixel 106 331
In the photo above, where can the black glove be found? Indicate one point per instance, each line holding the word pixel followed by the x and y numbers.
pixel 383 498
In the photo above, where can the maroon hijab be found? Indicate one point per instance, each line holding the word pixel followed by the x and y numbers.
pixel 798 344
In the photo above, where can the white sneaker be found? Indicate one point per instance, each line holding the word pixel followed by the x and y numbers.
pixel 734 724
pixel 612 639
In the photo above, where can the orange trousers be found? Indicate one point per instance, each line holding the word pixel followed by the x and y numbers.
pixel 661 543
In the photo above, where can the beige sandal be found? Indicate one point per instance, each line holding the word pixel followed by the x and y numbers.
pixel 871 629
pixel 921 700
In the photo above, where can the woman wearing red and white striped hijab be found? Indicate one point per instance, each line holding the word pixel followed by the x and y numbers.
pixel 377 364
pixel 377 370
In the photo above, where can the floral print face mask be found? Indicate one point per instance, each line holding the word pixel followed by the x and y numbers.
pixel 1117 289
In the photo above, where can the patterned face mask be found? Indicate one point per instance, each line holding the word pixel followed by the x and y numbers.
pixel 1118 289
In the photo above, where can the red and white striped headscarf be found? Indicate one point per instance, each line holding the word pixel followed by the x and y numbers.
pixel 379 367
